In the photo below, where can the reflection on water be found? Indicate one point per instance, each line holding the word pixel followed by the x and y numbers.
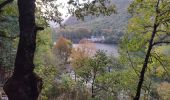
pixel 110 49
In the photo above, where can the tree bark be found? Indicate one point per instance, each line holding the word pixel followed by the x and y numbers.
pixel 142 73
pixel 150 46
pixel 24 83
pixel 92 87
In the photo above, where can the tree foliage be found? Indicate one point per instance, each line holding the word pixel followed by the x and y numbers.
pixel 62 49
pixel 150 25
pixel 45 62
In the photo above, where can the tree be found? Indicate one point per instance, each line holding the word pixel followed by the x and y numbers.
pixel 62 49
pixel 8 35
pixel 163 91
pixel 24 83
pixel 84 49
pixel 3 4
pixel 150 18
pixel 75 8
pixel 90 68
pixel 24 79
pixel 45 62
pixel 97 65
pixel 79 55
pixel 114 83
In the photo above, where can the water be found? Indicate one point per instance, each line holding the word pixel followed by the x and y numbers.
pixel 110 49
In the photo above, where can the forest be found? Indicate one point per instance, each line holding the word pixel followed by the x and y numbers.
pixel 41 62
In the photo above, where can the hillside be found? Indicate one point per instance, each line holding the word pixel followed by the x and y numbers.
pixel 112 27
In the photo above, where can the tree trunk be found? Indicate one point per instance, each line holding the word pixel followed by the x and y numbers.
pixel 142 73
pixel 75 77
pixel 151 42
pixel 92 87
pixel 24 83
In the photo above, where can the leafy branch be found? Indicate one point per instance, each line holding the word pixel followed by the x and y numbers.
pixel 3 4
pixel 161 42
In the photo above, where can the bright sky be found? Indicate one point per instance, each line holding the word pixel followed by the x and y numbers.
pixel 63 9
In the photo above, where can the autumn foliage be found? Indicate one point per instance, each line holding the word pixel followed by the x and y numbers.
pixel 82 51
pixel 62 49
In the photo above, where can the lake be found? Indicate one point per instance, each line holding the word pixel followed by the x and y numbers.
pixel 110 49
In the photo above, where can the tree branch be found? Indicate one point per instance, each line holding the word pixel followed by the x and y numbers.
pixel 3 4
pixel 161 42
pixel 131 62
pixel 162 38
pixel 9 37
pixel 163 31
pixel 37 28
pixel 158 58
pixel 166 11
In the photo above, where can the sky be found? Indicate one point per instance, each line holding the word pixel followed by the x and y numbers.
pixel 64 11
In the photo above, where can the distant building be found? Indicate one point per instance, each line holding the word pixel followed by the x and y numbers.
pixel 97 38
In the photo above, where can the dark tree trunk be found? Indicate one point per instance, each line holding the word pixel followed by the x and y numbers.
pixel 92 87
pixel 142 73
pixel 151 42
pixel 24 83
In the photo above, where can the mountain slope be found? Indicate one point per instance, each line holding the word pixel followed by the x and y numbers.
pixel 112 27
